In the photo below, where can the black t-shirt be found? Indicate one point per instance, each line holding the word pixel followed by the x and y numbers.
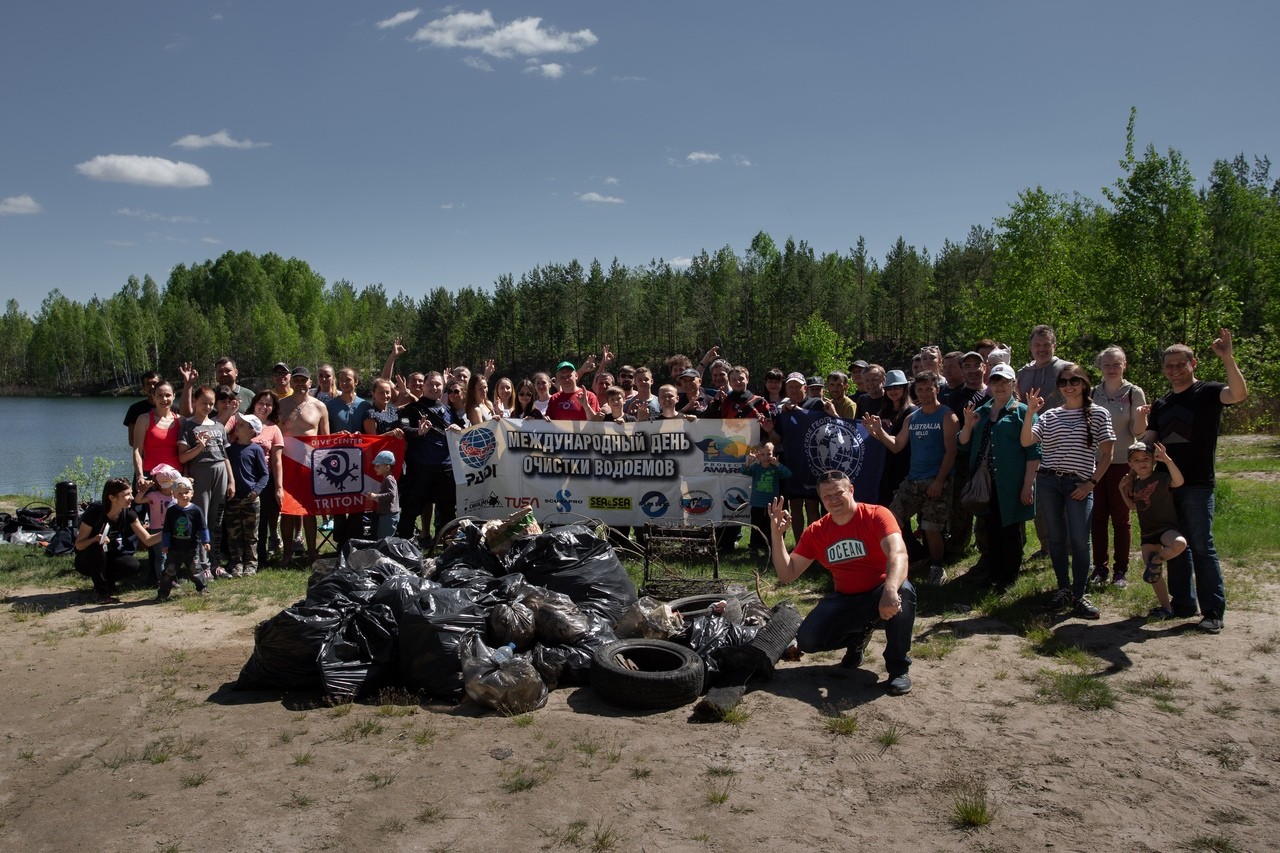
pixel 137 410
pixel 1187 424
pixel 96 516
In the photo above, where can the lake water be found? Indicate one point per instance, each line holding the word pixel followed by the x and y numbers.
pixel 40 437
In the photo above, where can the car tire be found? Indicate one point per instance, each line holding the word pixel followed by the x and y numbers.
pixel 668 675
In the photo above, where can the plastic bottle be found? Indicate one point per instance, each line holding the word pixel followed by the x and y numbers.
pixel 502 654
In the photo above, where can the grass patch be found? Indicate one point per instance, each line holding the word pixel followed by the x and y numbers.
pixel 720 771
pixel 425 736
pixel 1243 526
pixel 570 836
pixel 1230 816
pixel 429 814
pixel 522 778
pixel 379 780
pixel 1225 710
pixel 303 759
pixel 841 725
pixel 1157 686
pixel 299 800
pixel 939 644
pixel 1083 690
pixel 969 806
pixel 194 780
pixel 736 716
pixel 641 772
pixel 604 837
pixel 890 736
pixel 522 721
pixel 112 624
pixel 392 826
pixel 1229 755
pixel 718 793
pixel 1212 844
pixel 360 730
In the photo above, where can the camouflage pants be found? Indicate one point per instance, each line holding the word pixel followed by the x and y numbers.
pixel 241 517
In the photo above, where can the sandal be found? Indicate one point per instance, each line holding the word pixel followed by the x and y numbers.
pixel 1153 570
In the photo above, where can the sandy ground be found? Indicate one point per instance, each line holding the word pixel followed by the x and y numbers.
pixel 120 735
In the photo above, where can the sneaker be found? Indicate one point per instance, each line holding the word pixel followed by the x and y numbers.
pixel 1159 614
pixel 221 573
pixel 937 575
pixel 853 657
pixel 249 570
pixel 1154 569
pixel 1209 625
pixel 1084 609
pixel 1119 581
pixel 899 685
pixel 1061 600
pixel 205 576
pixel 1099 577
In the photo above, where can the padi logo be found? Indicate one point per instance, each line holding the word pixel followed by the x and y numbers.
pixel 696 502
pixel 832 444
pixel 477 447
pixel 736 498
pixel 564 501
pixel 654 504
pixel 846 549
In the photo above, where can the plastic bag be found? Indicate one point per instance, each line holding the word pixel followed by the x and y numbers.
pixel 512 687
pixel 574 561
pixel 356 657
pixel 571 663
pixel 286 650
pixel 556 619
pixel 650 619
pixel 348 585
pixel 430 629
pixel 512 623
pixel 709 634
pixel 360 553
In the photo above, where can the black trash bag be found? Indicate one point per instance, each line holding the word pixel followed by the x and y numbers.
pixel 286 649
pixel 345 585
pixel 556 619
pixel 468 549
pixel 401 592
pixel 462 576
pixel 359 553
pixel 512 623
pixel 511 686
pixel 358 655
pixel 571 663
pixel 514 587
pixel 708 634
pixel 574 561
pixel 63 541
pixel 430 630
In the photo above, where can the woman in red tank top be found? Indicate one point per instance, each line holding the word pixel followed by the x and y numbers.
pixel 155 437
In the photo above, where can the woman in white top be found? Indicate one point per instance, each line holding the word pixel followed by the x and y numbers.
pixel 1125 402
pixel 478 407
pixel 1075 444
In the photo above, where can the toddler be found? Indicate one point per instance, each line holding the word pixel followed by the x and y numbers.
pixel 1149 492
pixel 185 533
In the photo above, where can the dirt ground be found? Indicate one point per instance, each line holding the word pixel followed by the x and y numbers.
pixel 121 734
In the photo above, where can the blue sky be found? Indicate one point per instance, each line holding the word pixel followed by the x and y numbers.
pixel 428 146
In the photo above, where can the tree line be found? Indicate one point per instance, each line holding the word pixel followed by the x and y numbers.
pixel 1156 260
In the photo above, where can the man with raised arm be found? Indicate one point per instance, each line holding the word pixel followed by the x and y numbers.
pixel 861 545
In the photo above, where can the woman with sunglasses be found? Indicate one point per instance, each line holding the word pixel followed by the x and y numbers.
pixel 455 400
pixel 1075 444
pixel 526 396
pixel 994 431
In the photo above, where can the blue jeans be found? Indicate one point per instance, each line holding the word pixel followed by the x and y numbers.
pixel 841 620
pixel 1067 522
pixel 1195 518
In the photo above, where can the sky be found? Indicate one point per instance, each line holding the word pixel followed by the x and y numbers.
pixel 419 147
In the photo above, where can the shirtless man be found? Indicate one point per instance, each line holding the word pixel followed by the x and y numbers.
pixel 301 414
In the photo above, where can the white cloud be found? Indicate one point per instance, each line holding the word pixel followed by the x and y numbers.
pixel 681 263
pixel 18 205
pixel 221 139
pixel 630 78
pixel 147 171
pixel 740 160
pixel 600 199
pixel 521 37
pixel 550 70
pixel 213 241
pixel 398 19
pixel 589 72
pixel 702 157
pixel 477 62
pixel 453 205
pixel 148 216
pixel 612 181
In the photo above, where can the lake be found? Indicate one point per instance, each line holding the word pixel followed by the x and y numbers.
pixel 41 437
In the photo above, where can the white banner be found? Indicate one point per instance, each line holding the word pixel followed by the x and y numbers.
pixel 665 472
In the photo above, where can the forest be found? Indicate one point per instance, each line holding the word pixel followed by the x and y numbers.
pixel 1158 259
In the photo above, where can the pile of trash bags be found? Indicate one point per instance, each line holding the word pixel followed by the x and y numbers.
pixel 503 629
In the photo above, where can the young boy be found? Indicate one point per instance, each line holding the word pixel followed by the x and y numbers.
pixel 157 495
pixel 185 532
pixel 1149 492
pixel 249 470
pixel 612 410
pixel 766 474
pixel 667 400
pixel 387 497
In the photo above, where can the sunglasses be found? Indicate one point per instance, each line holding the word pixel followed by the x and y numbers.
pixel 1070 380
pixel 455 390
pixel 831 476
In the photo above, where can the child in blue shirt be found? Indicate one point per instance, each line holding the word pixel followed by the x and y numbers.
pixel 185 533
pixel 766 474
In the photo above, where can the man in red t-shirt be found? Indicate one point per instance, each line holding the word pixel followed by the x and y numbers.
pixel 862 546
pixel 571 403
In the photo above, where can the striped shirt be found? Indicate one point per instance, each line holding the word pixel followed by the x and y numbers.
pixel 1063 440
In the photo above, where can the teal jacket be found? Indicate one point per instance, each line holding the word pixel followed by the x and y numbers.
pixel 1007 457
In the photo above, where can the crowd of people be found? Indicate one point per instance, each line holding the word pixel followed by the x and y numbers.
pixel 1044 442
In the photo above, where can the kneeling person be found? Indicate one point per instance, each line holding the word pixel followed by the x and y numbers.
pixel 862 546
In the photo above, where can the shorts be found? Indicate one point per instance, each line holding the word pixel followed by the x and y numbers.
pixel 912 497
pixel 1154 538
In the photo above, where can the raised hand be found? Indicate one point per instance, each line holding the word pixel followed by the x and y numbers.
pixel 970 416
pixel 398 348
pixel 1161 454
pixel 1222 344
pixel 188 372
pixel 606 355
pixel 1034 401
pixel 779 516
